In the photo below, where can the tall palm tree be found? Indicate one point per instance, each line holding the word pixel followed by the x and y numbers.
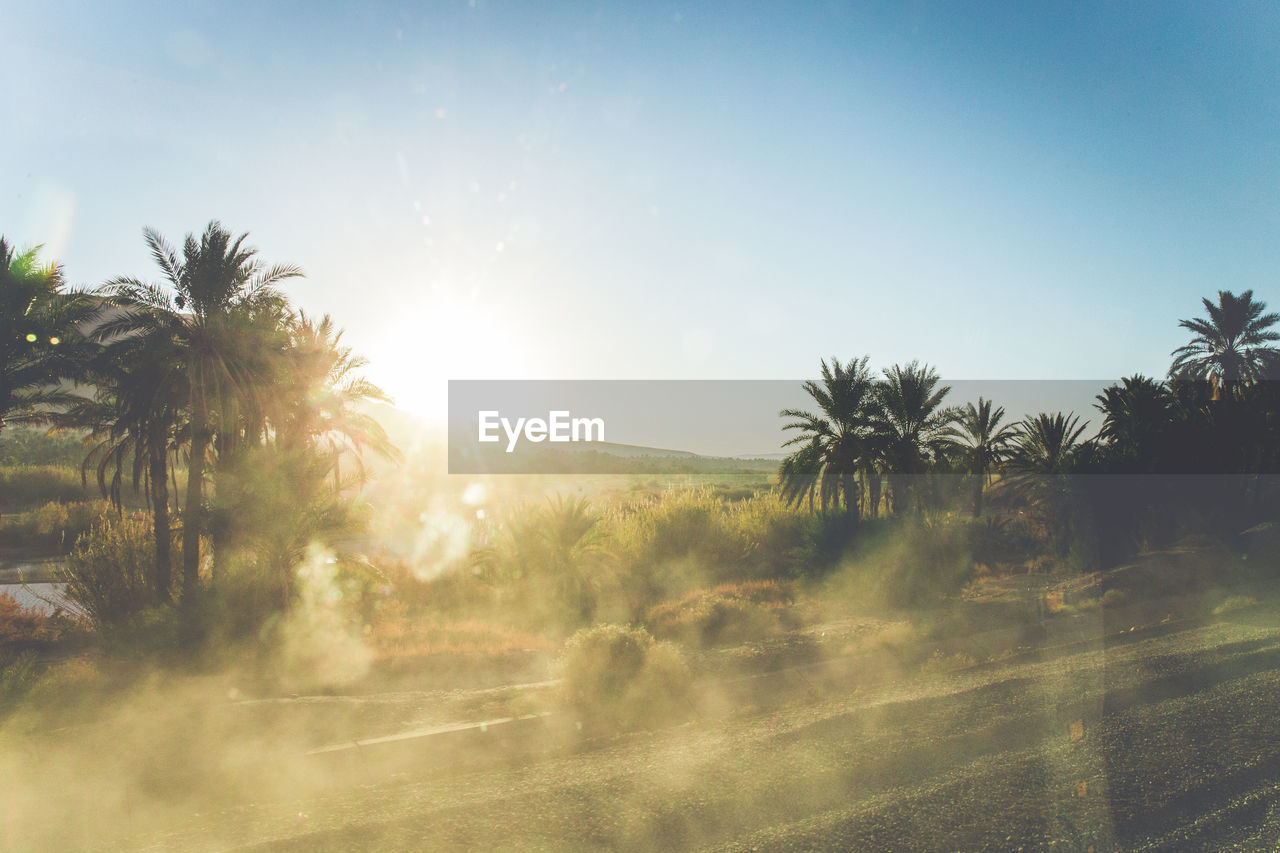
pixel 1047 444
pixel 1233 346
pixel 40 339
pixel 214 288
pixel 133 423
pixel 834 441
pixel 323 392
pixel 982 443
pixel 911 426
pixel 1137 414
pixel 1046 452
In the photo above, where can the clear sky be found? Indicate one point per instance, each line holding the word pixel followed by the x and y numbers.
pixel 664 190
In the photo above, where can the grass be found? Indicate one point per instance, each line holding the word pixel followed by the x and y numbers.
pixel 726 614
pixel 1235 604
pixel 31 485
pixel 53 525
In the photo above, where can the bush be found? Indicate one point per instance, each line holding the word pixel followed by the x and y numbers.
pixel 21 626
pixel 30 485
pixel 27 446
pixel 1114 598
pixel 1001 541
pixel 935 563
pixel 1235 603
pixel 54 525
pixel 106 572
pixel 618 678
pixel 731 613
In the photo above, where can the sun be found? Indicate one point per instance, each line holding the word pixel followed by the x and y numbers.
pixel 444 337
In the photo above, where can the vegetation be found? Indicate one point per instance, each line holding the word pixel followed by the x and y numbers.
pixel 618 678
pixel 210 375
pixel 231 441
pixel 27 485
pixel 40 339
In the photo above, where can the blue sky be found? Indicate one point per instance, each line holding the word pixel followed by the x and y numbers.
pixel 673 191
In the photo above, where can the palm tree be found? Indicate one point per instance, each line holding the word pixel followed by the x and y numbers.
pixel 323 392
pixel 40 341
pixel 551 555
pixel 1047 444
pixel 214 289
pixel 911 427
pixel 834 442
pixel 134 419
pixel 1137 415
pixel 982 443
pixel 1046 452
pixel 1233 346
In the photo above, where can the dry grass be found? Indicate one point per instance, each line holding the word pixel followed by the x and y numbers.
pixel 397 639
pixel 728 613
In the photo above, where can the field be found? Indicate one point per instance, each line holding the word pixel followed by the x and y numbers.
pixel 1086 731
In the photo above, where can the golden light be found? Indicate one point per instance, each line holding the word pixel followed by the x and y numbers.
pixel 442 337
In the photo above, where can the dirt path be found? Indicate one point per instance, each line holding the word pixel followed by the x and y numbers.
pixel 1163 740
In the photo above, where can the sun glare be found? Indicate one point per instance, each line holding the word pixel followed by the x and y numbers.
pixel 442 338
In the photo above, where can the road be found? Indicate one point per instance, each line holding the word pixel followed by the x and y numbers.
pixel 1157 739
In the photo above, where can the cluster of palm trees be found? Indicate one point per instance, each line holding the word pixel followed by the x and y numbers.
pixel 870 438
pixel 210 367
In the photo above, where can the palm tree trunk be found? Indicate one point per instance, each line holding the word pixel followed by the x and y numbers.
pixel 193 522
pixel 218 534
pixel 852 496
pixel 160 520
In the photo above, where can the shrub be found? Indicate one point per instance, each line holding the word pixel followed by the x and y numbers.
pixel 618 678
pixel 730 613
pixel 1234 603
pixel 1114 598
pixel 1000 541
pixel 27 446
pixel 20 625
pixel 30 485
pixel 936 562
pixel 55 525
pixel 106 572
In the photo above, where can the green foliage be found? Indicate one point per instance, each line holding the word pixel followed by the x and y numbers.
pixel 1236 344
pixel 106 573
pixel 18 674
pixel 26 446
pixel 31 485
pixel 54 525
pixel 618 678
pixel 1114 598
pixel 1001 541
pixel 836 443
pixel 549 559
pixel 909 562
pixel 40 341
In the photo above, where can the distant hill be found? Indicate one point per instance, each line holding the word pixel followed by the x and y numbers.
pixel 598 457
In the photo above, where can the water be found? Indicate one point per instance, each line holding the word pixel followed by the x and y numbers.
pixel 41 597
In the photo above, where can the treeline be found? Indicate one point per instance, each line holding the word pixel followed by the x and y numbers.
pixel 1195 445
pixel 235 416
